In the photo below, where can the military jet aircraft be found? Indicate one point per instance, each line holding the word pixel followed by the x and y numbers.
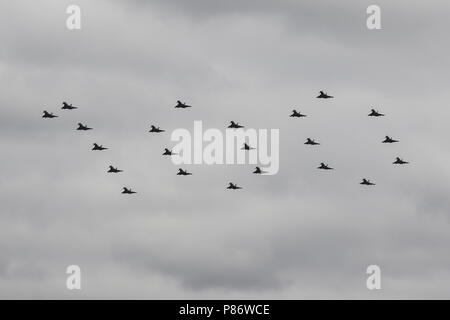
pixel 233 186
pixel 311 142
pixel 182 172
pixel 67 106
pixel 98 147
pixel 388 139
pixel 234 125
pixel 297 114
pixel 323 95
pixel 247 147
pixel 168 152
pixel 182 105
pixel 156 129
pixel 259 171
pixel 83 127
pixel 48 115
pixel 375 113
pixel 114 170
pixel 400 161
pixel 127 191
pixel 324 166
pixel 367 182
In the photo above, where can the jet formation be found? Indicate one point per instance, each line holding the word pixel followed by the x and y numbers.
pixel 232 125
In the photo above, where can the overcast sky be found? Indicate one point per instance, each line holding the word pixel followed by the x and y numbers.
pixel 302 233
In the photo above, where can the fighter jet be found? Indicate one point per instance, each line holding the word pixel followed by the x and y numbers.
pixel 311 142
pixel 233 186
pixel 67 106
pixel 83 127
pixel 400 161
pixel 247 147
pixel 297 114
pixel 259 171
pixel 156 129
pixel 375 113
pixel 114 170
pixel 182 172
pixel 234 125
pixel 127 191
pixel 366 182
pixel 323 95
pixel 48 115
pixel 168 152
pixel 388 139
pixel 98 147
pixel 182 105
pixel 324 166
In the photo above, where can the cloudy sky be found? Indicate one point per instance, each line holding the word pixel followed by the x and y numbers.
pixel 299 234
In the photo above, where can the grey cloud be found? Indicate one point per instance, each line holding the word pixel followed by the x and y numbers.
pixel 298 234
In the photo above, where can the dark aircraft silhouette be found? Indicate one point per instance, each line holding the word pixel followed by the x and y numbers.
pixel 367 182
pixel 388 139
pixel 48 115
pixel 233 186
pixel 67 106
pixel 127 191
pixel 83 127
pixel 324 166
pixel 182 105
pixel 234 125
pixel 311 142
pixel 156 129
pixel 400 161
pixel 297 114
pixel 168 152
pixel 259 171
pixel 98 147
pixel 182 172
pixel 375 113
pixel 114 170
pixel 323 95
pixel 247 147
